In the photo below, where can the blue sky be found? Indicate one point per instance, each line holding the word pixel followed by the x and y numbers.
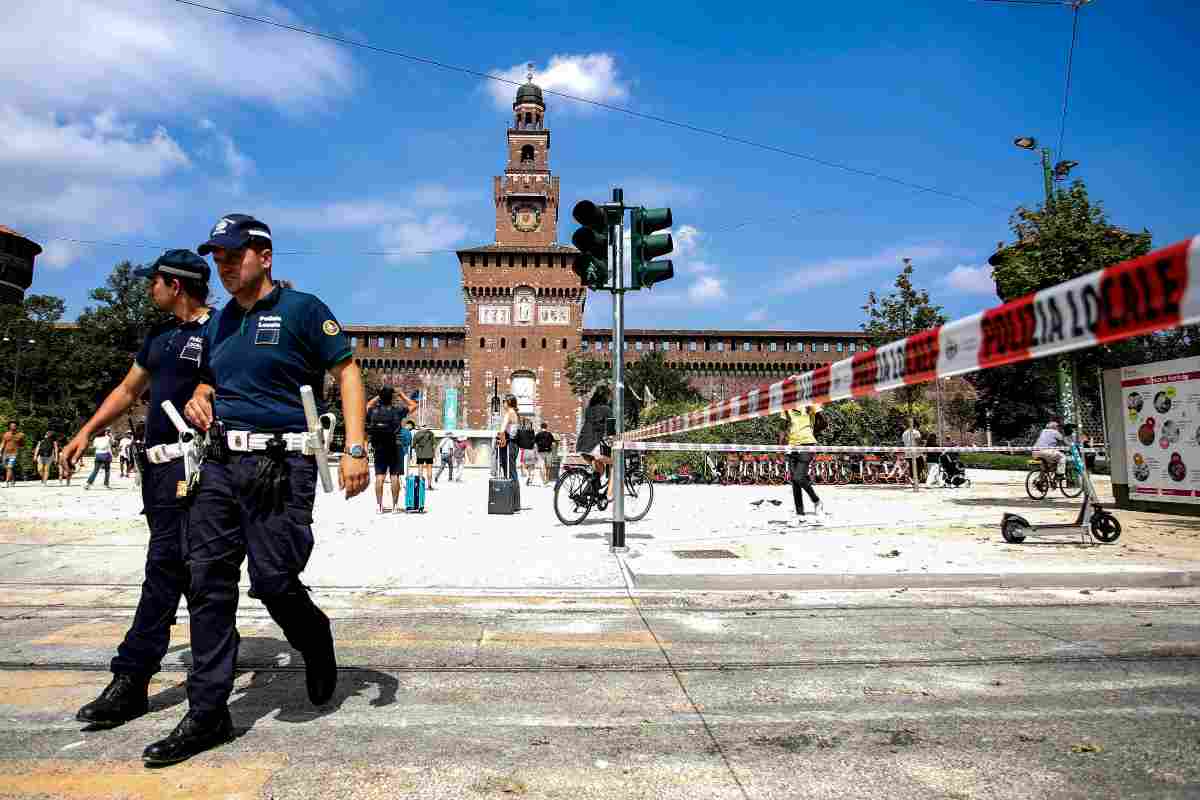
pixel 143 121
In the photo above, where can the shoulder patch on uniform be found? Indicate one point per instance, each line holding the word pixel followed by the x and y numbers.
pixel 330 327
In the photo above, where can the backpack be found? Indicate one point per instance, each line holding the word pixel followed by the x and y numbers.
pixel 820 424
pixel 525 438
pixel 383 422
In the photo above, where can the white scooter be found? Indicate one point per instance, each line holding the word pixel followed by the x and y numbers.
pixel 1092 521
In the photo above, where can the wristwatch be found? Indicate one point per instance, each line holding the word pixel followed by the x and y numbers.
pixel 357 451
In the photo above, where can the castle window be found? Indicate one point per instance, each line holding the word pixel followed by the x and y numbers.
pixel 772 347
pixel 543 344
pixel 502 342
pixel 583 345
pixel 692 346
pixel 524 261
pixel 638 346
pixel 382 343
pixel 528 120
pixel 853 347
pixel 522 344
pixel 354 341
pixel 825 347
pixel 564 344
pixel 527 154
pixel 839 347
pixel 721 346
pixel 482 343
pixel 437 342
pixel 747 346
pixel 408 342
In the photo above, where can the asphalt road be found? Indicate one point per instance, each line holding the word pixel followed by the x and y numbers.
pixel 890 694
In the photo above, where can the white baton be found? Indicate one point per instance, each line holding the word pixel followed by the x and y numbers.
pixel 318 437
pixel 187 442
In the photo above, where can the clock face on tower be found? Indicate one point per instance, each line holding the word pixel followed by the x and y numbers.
pixel 526 218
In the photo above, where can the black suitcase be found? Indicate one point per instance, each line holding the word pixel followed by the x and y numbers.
pixel 504 496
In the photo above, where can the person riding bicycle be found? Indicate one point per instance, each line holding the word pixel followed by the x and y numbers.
pixel 592 431
pixel 1046 447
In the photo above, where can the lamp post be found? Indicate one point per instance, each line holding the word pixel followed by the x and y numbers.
pixel 1067 399
pixel 17 362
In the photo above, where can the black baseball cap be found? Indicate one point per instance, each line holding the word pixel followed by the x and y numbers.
pixel 179 263
pixel 233 231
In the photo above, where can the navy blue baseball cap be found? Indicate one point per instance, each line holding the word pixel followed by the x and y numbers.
pixel 233 231
pixel 178 263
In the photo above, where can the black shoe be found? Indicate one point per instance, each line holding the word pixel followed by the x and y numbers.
pixel 197 732
pixel 126 697
pixel 320 673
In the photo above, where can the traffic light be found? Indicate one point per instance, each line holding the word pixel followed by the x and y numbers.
pixel 646 244
pixel 591 265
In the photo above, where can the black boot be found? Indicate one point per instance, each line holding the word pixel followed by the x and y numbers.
pixel 126 697
pixel 197 732
pixel 320 672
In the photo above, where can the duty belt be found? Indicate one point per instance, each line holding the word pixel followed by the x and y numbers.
pixel 249 441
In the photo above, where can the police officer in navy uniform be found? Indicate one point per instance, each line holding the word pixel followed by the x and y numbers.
pixel 169 366
pixel 256 490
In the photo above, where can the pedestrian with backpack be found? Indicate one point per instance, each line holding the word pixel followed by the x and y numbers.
pixel 384 421
pixel 526 441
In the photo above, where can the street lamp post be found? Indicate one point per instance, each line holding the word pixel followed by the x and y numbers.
pixel 17 363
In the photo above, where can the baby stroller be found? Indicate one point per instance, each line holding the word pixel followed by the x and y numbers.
pixel 952 473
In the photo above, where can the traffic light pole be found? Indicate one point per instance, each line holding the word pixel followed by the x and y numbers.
pixel 617 238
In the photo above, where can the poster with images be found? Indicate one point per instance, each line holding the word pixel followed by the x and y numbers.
pixel 1162 430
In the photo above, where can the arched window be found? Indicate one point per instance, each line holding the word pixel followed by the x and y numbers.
pixel 564 344
pixel 528 118
pixel 482 343
pixel 522 343
pixel 543 344
pixel 527 154
pixel 502 342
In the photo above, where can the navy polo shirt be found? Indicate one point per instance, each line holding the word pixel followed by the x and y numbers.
pixel 172 353
pixel 257 360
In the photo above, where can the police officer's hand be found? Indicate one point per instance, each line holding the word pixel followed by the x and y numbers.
pixel 69 456
pixel 353 475
pixel 199 409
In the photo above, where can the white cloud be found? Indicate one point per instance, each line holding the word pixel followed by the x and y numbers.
pixel 153 57
pixel 57 254
pixel 415 237
pixel 686 240
pixel 96 146
pixel 970 280
pixel 835 270
pixel 592 76
pixel 707 289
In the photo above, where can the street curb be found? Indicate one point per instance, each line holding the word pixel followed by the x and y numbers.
pixel 1159 579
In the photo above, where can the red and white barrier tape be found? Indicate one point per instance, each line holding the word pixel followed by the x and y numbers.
pixel 719 447
pixel 1158 291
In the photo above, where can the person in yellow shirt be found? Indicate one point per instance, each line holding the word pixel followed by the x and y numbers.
pixel 801 433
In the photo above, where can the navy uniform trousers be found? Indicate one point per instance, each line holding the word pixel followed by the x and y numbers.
pixel 166 580
pixel 227 524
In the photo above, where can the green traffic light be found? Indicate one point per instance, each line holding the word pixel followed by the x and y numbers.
pixel 591 265
pixel 646 245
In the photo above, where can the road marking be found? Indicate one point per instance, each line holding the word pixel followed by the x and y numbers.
pixel 636 640
pixel 201 778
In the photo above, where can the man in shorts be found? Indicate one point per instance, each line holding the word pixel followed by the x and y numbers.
pixel 384 420
pixel 544 442
pixel 10 446
pixel 45 454
pixel 424 444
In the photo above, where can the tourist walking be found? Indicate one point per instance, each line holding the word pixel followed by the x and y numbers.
pixel 125 452
pixel 424 445
pixel 10 448
pixel 527 442
pixel 460 456
pixel 544 442
pixel 102 447
pixel 802 434
pixel 45 454
pixel 445 455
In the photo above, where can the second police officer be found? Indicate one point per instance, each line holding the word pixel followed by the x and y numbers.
pixel 256 492
pixel 169 366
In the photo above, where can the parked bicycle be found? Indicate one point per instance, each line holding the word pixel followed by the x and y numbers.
pixel 580 489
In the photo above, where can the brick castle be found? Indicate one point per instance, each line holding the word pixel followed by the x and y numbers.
pixel 524 315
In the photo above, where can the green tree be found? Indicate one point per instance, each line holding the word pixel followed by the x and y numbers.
pixel 585 372
pixel 904 312
pixel 668 384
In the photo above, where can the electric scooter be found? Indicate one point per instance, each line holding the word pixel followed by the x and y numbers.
pixel 1093 520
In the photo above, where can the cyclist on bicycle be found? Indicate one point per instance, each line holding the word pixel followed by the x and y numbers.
pixel 590 443
pixel 1046 447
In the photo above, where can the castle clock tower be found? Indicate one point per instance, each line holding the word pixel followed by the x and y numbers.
pixel 524 304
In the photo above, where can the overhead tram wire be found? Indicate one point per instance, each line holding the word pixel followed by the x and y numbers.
pixel 152 246
pixel 597 104
pixel 1062 125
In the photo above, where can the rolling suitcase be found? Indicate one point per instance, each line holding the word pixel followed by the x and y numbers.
pixel 414 494
pixel 504 496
